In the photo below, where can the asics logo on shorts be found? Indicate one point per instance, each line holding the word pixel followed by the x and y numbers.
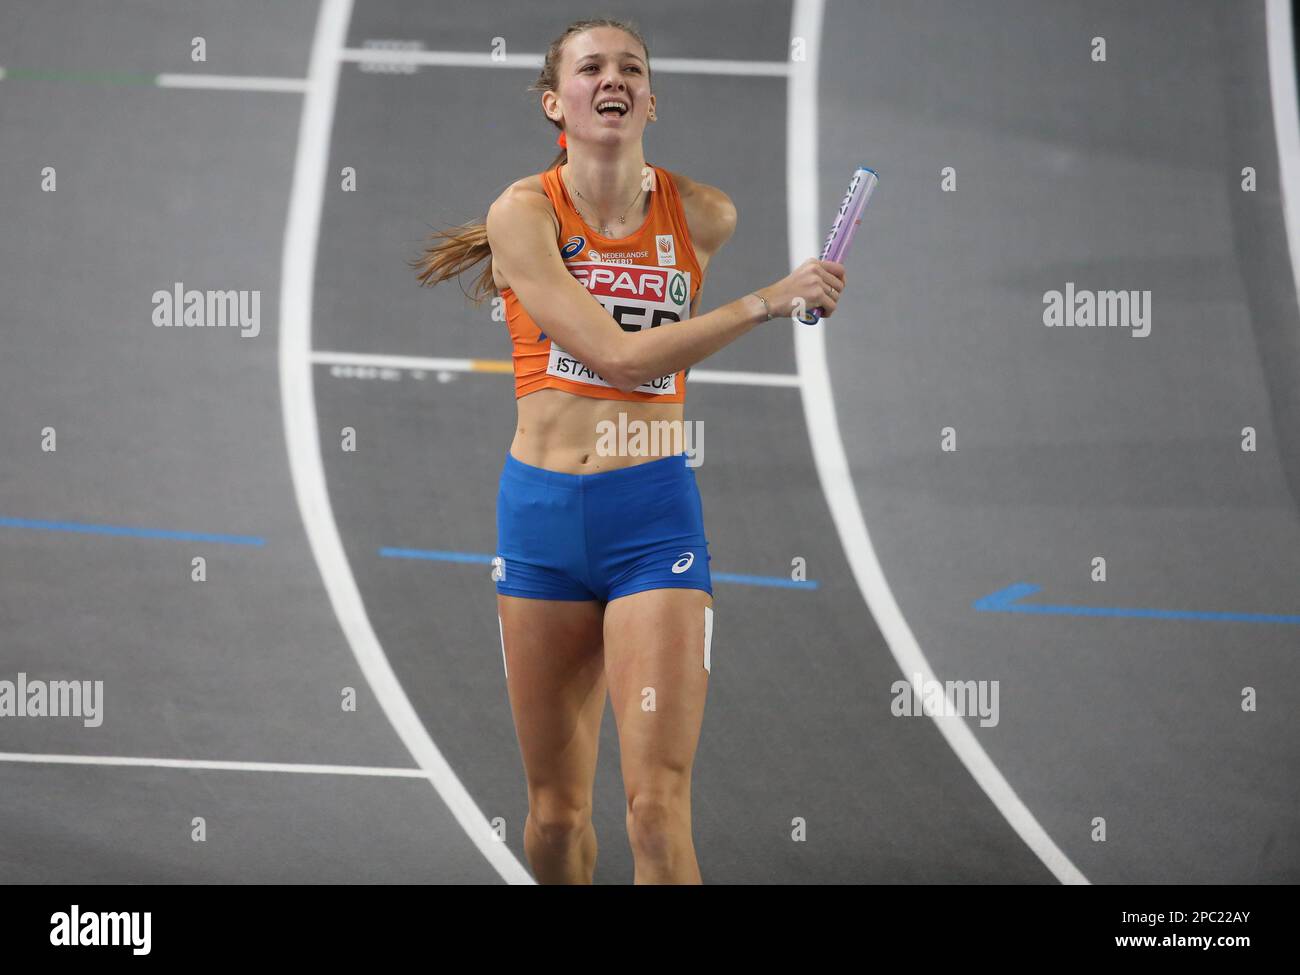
pixel 684 563
pixel 498 568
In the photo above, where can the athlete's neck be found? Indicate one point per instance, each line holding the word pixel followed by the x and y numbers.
pixel 609 181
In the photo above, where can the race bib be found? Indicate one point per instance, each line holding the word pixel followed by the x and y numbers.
pixel 637 298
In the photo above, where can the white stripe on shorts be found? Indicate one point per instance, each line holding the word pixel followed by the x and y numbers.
pixel 708 635
pixel 502 631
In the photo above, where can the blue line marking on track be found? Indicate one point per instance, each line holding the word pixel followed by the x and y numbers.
pixel 1007 601
pixel 777 581
pixel 476 558
pixel 129 532
pixel 434 556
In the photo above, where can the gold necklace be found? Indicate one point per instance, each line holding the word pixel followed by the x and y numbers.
pixel 604 230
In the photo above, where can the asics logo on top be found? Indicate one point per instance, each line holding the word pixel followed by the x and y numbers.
pixel 572 246
pixel 684 563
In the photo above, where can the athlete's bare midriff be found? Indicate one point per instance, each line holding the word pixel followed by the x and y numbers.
pixel 560 431
pixel 563 432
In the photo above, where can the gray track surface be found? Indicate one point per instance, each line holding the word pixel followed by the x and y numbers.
pixel 1071 444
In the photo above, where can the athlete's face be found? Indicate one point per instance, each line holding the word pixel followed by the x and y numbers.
pixel 598 65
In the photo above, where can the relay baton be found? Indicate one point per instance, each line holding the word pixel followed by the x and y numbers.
pixel 846 223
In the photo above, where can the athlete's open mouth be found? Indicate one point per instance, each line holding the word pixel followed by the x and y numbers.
pixel 612 106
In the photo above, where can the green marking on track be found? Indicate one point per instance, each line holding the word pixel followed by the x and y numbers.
pixel 89 77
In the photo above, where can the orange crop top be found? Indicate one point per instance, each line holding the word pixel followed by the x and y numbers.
pixel 643 281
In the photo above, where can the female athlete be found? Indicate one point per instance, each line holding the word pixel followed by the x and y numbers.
pixel 602 571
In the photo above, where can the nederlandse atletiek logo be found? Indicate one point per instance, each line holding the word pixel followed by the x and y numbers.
pixel 665 249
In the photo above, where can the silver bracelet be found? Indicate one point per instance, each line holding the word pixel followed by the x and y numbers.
pixel 766 306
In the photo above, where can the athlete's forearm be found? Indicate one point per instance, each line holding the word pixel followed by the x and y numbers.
pixel 656 352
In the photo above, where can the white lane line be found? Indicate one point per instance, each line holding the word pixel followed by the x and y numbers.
pixel 232 82
pixel 776 69
pixel 1286 122
pixel 533 62
pixel 36 758
pixel 298 262
pixel 832 462
pixel 734 378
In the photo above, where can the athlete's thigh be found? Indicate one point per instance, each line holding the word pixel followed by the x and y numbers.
pixel 556 679
pixel 654 661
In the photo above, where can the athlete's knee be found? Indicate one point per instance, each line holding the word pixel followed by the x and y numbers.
pixel 658 815
pixel 556 819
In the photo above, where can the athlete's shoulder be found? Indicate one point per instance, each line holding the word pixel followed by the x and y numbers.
pixel 710 214
pixel 528 192
pixel 528 184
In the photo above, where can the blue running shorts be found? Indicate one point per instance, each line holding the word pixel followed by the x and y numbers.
pixel 600 536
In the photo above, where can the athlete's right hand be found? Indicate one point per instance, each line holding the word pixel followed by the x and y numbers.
pixel 819 283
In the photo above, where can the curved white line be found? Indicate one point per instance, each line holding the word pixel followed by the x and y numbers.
pixel 832 463
pixel 1286 122
pixel 298 402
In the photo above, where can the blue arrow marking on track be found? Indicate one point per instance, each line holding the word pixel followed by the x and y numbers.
pixel 1007 601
